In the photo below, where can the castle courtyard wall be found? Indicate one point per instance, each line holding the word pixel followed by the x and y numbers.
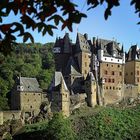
pixel 9 115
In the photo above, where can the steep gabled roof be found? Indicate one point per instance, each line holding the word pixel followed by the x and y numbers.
pixel 90 77
pixel 58 79
pixel 29 84
pixel 82 43
pixel 72 67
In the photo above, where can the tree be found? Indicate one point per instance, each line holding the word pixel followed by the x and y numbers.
pixel 60 128
pixel 39 14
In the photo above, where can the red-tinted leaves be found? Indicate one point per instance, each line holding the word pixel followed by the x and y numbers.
pixel 5 27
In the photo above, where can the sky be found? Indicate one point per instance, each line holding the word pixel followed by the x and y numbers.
pixel 120 26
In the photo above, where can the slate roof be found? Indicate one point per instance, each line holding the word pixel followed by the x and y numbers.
pixel 29 84
pixel 133 53
pixel 82 44
pixel 90 77
pixel 110 47
pixel 57 81
pixel 72 67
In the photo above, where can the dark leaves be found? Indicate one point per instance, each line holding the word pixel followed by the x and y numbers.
pixel 45 28
pixel 41 14
pixel 30 23
pixel 110 5
pixel 107 13
pixel 28 36
pixel 56 18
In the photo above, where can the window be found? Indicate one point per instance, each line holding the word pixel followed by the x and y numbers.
pixel 106 87
pixel 112 65
pixel 113 73
pixel 107 65
pixel 109 80
pixel 131 73
pixel 105 71
pixel 113 88
pixel 110 87
pixel 137 79
pixel 118 66
pixel 120 73
pixel 113 80
pixel 137 72
pixel 85 64
pixel 105 80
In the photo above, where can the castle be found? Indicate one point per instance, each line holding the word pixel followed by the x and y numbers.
pixel 97 72
pixel 91 72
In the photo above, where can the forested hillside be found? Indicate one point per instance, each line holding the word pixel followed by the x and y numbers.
pixel 100 123
pixel 30 60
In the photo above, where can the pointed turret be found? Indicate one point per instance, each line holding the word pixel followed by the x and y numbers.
pixel 64 98
pixel 122 49
pixel 90 88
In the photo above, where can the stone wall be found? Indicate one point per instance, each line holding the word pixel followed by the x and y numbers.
pixel 131 91
pixel 84 62
pixel 30 102
pixel 77 99
pixel 129 72
pixel 9 115
pixel 26 101
pixel 113 74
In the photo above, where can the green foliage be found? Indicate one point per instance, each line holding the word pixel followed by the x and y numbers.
pixel 3 103
pixel 42 126
pixel 59 128
pixel 110 124
pixel 27 60
pixel 106 124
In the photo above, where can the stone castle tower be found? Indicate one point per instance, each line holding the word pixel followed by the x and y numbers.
pixel 62 51
pixel 60 95
pixel 90 89
pixel 64 99
pixel 82 53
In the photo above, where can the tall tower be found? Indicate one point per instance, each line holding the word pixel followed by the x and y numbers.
pixel 82 53
pixel 60 96
pixel 64 99
pixel 90 89
pixel 62 51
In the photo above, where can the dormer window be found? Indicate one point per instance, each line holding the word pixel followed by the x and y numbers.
pixel 20 88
